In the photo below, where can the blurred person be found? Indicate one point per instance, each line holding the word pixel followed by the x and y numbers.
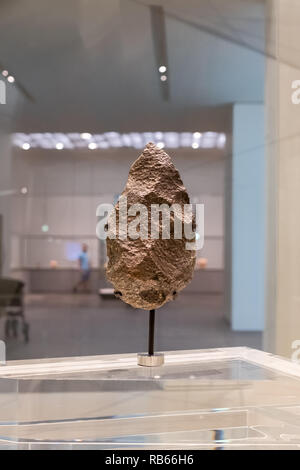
pixel 85 270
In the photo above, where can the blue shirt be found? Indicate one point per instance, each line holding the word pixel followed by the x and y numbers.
pixel 84 261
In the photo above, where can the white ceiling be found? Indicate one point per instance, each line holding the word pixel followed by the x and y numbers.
pixel 90 65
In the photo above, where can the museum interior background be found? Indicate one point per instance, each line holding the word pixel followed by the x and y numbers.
pixel 220 106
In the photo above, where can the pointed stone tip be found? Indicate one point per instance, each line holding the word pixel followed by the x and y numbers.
pixel 150 145
pixel 152 148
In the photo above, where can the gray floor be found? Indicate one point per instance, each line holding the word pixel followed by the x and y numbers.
pixel 69 325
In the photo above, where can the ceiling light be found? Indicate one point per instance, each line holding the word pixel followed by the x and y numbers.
pixel 85 135
pixel 4 73
pixel 126 139
pixel 160 145
pixel 209 140
pixel 186 139
pixel 92 146
pixel 171 139
pixel 137 140
pixel 45 228
pixel 162 69
pixel 163 78
pixel 197 135
pixel 24 190
pixel 103 145
pixel 221 141
pixel 107 140
pixel 10 79
pixel 114 139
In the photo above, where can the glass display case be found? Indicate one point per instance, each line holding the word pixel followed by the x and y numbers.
pixel 230 398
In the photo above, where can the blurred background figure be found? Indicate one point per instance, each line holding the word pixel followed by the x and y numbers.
pixel 85 270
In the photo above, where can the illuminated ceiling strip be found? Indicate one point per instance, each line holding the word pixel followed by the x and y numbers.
pixel 138 140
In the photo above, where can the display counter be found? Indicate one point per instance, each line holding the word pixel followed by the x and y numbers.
pixel 231 398
pixel 62 280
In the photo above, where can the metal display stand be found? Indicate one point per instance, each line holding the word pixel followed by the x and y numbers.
pixel 150 359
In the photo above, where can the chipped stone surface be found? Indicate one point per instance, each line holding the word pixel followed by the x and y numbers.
pixel 148 273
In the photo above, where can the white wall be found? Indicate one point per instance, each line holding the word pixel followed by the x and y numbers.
pixel 65 187
pixel 5 201
pixel 282 328
pixel 248 218
pixel 6 180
